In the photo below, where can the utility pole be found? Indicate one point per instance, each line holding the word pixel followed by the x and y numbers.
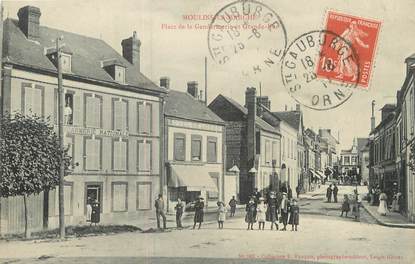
pixel 61 100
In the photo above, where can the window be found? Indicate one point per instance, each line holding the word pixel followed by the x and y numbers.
pixel 119 74
pixel 119 194
pixel 267 152
pixel 196 148
pixel 67 112
pixel 92 153
pixel 346 160
pixel 93 110
pixel 144 156
pixel 275 152
pixel 69 143
pixel 215 177
pixel 32 99
pixel 179 147
pixel 66 62
pixel 212 149
pixel 68 197
pixel 144 195
pixel 145 112
pixel 119 153
pixel 120 114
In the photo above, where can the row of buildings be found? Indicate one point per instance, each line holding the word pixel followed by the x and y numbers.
pixel 131 139
pixel 389 146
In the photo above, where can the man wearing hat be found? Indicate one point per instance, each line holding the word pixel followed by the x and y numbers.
pixel 159 204
pixel 199 206
pixel 284 210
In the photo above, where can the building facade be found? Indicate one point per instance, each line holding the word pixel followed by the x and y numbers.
pixel 252 144
pixel 194 146
pixel 112 121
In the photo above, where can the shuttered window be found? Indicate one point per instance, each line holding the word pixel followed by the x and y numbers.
pixel 144 156
pixel 196 148
pixel 267 151
pixel 93 111
pixel 93 154
pixel 275 152
pixel 70 145
pixel 143 196
pixel 212 152
pixel 120 155
pixel 179 147
pixel 32 104
pixel 120 115
pixel 145 113
pixel 67 192
pixel 119 196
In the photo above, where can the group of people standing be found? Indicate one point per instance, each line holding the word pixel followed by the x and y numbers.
pixel 332 191
pixel 352 203
pixel 275 208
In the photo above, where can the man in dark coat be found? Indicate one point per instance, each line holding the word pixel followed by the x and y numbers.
pixel 179 213
pixel 328 194
pixel 199 213
pixel 335 191
pixel 290 193
pixel 272 214
pixel 232 204
pixel 159 204
pixel 256 196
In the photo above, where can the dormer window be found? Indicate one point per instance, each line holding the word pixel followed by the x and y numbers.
pixel 66 58
pixel 115 69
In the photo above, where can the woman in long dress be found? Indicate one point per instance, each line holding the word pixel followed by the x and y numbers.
pixel 272 214
pixel 250 213
pixel 383 206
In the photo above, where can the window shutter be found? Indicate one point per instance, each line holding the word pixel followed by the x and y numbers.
pixel 124 117
pixel 141 118
pixel 37 101
pixel 149 118
pixel 119 197
pixel 144 196
pixel 89 149
pixel 141 156
pixel 76 111
pixel 89 111
pixel 117 115
pixel 27 100
pixel 97 108
pixel 179 148
pixel 196 148
pixel 148 154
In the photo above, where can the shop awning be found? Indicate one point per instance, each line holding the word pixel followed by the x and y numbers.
pixel 322 176
pixel 315 174
pixel 195 178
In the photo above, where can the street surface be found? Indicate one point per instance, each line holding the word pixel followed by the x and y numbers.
pixel 322 237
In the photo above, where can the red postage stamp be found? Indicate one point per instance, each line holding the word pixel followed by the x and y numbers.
pixel 349 56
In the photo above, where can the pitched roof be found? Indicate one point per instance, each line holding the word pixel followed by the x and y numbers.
pixel 261 123
pixel 87 55
pixel 183 105
pixel 293 118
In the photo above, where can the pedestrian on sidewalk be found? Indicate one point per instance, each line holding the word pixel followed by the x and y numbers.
pixel 261 213
pixel 221 214
pixel 298 190
pixel 199 213
pixel 179 212
pixel 294 215
pixel 284 209
pixel 383 206
pixel 272 210
pixel 290 193
pixel 232 204
pixel 345 205
pixel 356 205
pixel 159 204
pixel 335 191
pixel 328 194
pixel 250 213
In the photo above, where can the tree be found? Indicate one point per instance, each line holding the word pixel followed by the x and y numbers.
pixel 30 158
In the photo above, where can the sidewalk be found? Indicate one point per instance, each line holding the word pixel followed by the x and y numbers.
pixel 392 219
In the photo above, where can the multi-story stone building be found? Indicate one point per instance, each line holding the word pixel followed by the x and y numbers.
pixel 312 159
pixel 112 126
pixel 194 144
pixel 328 147
pixel 252 144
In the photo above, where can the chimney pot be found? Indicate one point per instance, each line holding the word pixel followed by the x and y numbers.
pixel 286 108
pixel 131 49
pixel 29 21
pixel 165 82
pixel 192 89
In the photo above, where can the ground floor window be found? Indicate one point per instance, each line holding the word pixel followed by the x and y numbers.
pixel 144 196
pixel 119 195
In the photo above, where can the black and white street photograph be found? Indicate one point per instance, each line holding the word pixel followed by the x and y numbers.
pixel 221 131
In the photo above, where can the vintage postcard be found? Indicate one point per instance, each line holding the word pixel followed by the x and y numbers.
pixel 221 131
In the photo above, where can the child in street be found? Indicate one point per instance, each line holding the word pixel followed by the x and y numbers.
pixel 260 215
pixel 345 205
pixel 221 214
pixel 250 213
pixel 294 215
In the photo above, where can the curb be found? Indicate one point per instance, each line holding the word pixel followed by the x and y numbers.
pixel 380 222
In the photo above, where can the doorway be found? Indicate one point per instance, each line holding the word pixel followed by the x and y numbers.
pixel 93 192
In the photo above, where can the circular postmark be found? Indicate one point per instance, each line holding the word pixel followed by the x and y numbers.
pixel 307 61
pixel 247 35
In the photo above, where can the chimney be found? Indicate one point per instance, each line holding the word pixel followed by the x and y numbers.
pixel 297 107
pixel 165 82
pixel 131 50
pixel 264 100
pixel 201 96
pixel 372 118
pixel 29 21
pixel 192 89
pixel 251 105
pixel 286 108
pixel 410 63
pixel 386 110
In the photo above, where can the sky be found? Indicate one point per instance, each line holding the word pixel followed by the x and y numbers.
pixel 179 53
